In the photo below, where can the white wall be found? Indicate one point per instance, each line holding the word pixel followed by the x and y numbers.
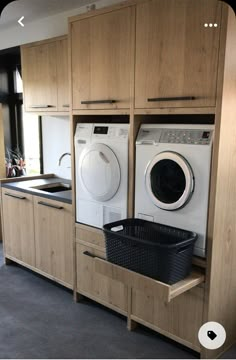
pixel 45 28
pixel 56 141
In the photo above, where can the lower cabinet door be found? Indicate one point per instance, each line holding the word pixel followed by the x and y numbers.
pixel 53 239
pixel 179 319
pixel 18 225
pixel 101 288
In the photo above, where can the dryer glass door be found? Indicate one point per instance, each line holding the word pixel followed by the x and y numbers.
pixel 99 172
pixel 169 181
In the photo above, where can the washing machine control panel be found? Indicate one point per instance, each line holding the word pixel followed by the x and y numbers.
pixel 186 136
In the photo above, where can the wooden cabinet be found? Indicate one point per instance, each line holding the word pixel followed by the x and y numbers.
pixel 45 76
pixel 53 239
pixel 176 58
pixel 101 60
pixel 101 288
pixel 62 76
pixel 180 319
pixel 18 225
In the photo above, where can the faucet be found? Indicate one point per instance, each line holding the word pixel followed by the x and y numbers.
pixel 61 157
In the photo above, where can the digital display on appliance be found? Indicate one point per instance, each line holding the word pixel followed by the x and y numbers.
pixel 101 130
pixel 206 134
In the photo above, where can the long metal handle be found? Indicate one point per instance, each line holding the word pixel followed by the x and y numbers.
pixel 66 105
pixel 16 196
pixel 88 102
pixel 178 98
pixel 41 106
pixel 50 205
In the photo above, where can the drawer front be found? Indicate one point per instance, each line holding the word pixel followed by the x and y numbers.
pixel 182 317
pixel 90 235
pixel 90 282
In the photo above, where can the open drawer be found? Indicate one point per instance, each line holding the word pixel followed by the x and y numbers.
pixel 148 285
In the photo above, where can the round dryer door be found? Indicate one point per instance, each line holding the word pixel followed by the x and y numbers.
pixel 169 181
pixel 99 172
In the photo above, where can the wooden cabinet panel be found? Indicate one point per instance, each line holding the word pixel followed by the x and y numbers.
pixel 176 55
pixel 18 224
pixel 62 75
pixel 108 291
pixel 180 318
pixel 40 77
pixel 101 60
pixel 53 239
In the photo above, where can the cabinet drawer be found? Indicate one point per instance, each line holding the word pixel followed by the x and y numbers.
pixel 109 292
pixel 148 285
pixel 90 235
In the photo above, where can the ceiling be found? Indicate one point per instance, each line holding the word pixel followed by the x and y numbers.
pixel 36 9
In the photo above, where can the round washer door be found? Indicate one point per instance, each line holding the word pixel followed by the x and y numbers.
pixel 99 172
pixel 169 180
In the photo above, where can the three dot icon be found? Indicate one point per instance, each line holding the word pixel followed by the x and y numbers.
pixel 210 25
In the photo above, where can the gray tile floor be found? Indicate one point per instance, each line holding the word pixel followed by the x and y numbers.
pixel 40 320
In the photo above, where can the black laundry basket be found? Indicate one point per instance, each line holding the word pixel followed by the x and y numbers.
pixel 155 250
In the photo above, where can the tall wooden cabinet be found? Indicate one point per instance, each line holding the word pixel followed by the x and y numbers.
pixel 101 55
pixel 45 76
pixel 176 57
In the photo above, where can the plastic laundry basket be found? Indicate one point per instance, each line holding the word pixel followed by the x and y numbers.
pixel 158 251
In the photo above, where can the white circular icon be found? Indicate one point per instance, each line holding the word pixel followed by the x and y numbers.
pixel 212 335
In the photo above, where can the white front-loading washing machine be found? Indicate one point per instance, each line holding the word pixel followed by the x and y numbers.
pixel 172 179
pixel 101 163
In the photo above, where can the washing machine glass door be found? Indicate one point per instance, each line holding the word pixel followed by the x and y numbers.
pixel 169 180
pixel 99 172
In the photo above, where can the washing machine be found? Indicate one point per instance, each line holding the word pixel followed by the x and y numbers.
pixel 101 166
pixel 173 164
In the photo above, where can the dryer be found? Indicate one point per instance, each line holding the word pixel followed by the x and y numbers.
pixel 173 165
pixel 101 163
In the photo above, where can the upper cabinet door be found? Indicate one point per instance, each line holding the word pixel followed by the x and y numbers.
pixel 176 53
pixel 101 61
pixel 62 75
pixel 40 77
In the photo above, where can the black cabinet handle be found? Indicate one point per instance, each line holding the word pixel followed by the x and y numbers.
pixel 178 98
pixel 66 105
pixel 89 254
pixel 88 102
pixel 50 205
pixel 41 106
pixel 16 196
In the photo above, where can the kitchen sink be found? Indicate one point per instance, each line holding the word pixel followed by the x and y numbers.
pixel 53 187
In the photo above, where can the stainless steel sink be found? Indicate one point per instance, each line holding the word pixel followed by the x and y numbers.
pixel 53 187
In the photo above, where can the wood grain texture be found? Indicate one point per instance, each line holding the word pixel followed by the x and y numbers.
pixel 39 72
pixel 158 289
pixel 18 224
pixel 180 319
pixel 100 287
pixel 90 235
pixel 175 54
pixel 222 281
pixel 9 260
pixel 101 60
pixel 53 239
pixel 63 102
